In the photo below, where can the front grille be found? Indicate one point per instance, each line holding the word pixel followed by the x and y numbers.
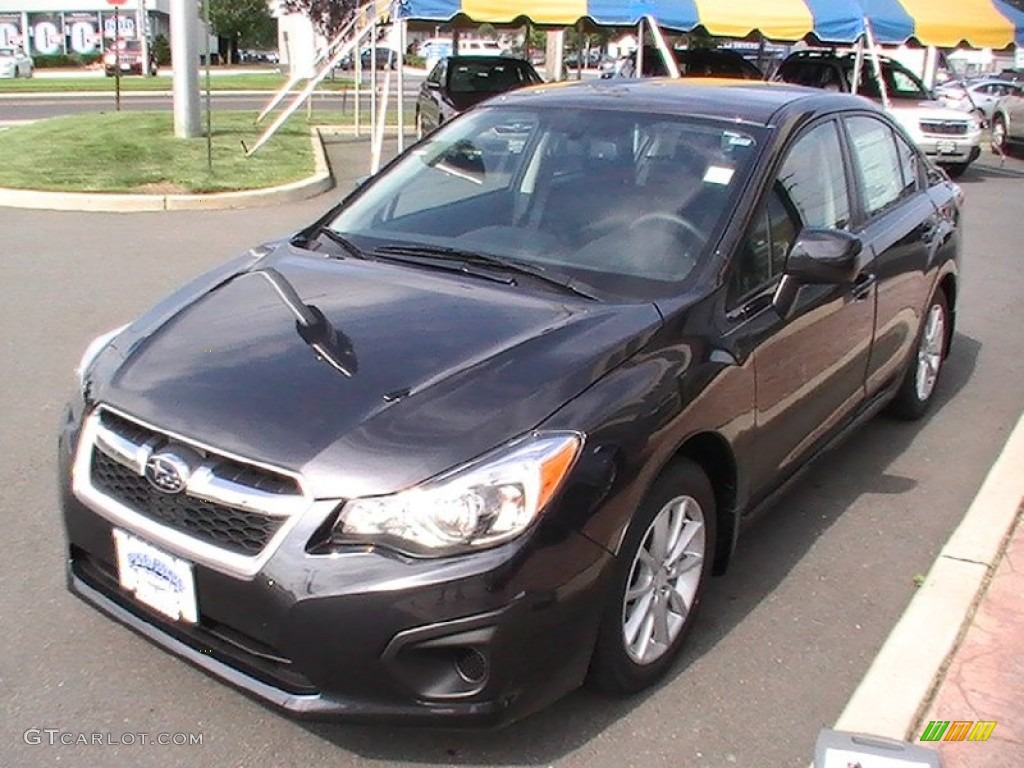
pixel 944 127
pixel 222 502
pixel 240 531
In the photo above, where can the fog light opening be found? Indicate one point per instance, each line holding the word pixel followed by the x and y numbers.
pixel 472 666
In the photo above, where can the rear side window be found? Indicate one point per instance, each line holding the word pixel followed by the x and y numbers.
pixel 878 163
pixel 910 164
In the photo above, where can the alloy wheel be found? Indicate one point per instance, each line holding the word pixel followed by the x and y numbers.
pixel 929 352
pixel 663 580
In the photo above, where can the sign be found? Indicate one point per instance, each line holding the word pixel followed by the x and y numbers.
pixel 116 2
pixel 10 30
pixel 47 33
pixel 125 25
pixel 83 31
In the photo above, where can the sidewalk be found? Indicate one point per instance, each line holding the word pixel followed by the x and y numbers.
pixel 985 678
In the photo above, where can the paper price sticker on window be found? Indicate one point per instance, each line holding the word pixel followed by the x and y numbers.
pixel 718 174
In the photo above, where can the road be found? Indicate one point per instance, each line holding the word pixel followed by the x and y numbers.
pixel 783 640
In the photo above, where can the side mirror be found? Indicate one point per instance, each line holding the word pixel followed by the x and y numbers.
pixel 819 256
pixel 824 256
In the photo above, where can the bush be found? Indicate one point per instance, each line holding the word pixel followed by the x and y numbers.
pixel 65 60
pixel 412 60
pixel 162 50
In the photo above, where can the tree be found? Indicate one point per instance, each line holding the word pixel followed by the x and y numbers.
pixel 328 16
pixel 245 23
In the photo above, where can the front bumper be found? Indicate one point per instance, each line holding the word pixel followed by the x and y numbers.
pixel 366 634
pixel 951 149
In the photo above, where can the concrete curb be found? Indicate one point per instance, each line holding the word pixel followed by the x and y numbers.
pixel 901 681
pixel 100 202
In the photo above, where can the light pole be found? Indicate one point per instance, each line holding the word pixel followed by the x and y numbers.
pixel 185 61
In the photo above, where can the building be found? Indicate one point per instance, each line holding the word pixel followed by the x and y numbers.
pixel 83 27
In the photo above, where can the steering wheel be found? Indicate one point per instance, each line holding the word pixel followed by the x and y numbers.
pixel 669 218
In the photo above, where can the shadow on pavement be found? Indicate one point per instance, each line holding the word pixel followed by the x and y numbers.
pixel 782 537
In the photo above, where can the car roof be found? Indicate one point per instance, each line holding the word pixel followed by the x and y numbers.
pixel 750 101
pixel 484 59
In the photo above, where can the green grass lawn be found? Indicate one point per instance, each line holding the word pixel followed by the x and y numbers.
pixel 249 81
pixel 137 151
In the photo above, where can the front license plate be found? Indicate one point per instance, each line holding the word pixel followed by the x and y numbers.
pixel 947 147
pixel 157 579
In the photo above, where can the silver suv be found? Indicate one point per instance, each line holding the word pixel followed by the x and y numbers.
pixel 1008 119
pixel 948 136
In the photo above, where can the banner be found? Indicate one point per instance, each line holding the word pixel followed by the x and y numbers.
pixel 47 32
pixel 10 30
pixel 83 32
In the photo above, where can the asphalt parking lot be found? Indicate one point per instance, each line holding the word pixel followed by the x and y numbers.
pixel 784 638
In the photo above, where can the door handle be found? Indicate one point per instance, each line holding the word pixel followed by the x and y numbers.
pixel 862 285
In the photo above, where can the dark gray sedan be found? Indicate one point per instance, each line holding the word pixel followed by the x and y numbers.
pixel 460 82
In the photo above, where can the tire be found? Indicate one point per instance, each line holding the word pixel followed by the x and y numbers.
pixel 999 139
pixel 956 170
pixel 925 367
pixel 629 656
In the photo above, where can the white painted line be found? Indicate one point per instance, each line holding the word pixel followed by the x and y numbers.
pixel 894 693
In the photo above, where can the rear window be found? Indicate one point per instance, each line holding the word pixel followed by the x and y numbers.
pixel 487 77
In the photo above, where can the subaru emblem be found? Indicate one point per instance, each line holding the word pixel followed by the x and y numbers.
pixel 167 472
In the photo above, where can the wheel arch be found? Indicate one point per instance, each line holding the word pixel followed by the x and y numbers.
pixel 948 287
pixel 714 455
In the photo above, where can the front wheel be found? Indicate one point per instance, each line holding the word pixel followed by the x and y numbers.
pixel 662 566
pixel 956 170
pixel 918 387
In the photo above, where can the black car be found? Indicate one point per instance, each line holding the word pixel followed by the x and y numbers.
pixel 457 83
pixel 485 429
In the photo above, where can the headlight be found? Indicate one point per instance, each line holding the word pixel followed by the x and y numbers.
pixel 486 502
pixel 92 351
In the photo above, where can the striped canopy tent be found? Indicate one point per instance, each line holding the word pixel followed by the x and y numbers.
pixel 945 23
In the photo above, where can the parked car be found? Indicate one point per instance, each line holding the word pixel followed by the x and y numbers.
pixel 14 62
pixel 126 56
pixel 387 58
pixel 457 83
pixel 974 96
pixel 948 137
pixel 519 391
pixel 1008 120
pixel 693 62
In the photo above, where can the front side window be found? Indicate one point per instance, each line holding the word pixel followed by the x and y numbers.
pixel 878 163
pixel 621 201
pixel 809 191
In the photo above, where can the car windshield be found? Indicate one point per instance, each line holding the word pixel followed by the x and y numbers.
pixel 487 76
pixel 624 203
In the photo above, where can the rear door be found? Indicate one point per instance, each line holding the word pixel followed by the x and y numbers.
pixel 898 224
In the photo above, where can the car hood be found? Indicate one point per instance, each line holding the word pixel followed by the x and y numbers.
pixel 925 110
pixel 443 367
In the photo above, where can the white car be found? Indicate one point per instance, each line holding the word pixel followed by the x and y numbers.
pixel 948 137
pixel 14 62
pixel 975 95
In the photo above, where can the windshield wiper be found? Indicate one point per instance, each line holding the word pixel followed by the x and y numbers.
pixel 336 237
pixel 462 257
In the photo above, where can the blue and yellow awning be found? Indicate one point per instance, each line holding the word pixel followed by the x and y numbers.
pixel 946 23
